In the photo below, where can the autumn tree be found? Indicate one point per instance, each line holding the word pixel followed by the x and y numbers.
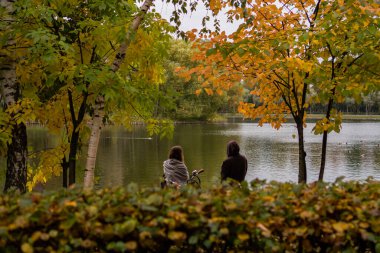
pixel 141 60
pixel 121 52
pixel 73 64
pixel 66 65
pixel 178 99
pixel 281 51
pixel 13 129
pixel 96 122
pixel 348 42
pixel 70 42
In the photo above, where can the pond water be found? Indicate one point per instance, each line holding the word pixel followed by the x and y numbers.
pixel 125 157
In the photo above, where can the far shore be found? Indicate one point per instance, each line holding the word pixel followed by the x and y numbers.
pixel 346 117
pixel 236 118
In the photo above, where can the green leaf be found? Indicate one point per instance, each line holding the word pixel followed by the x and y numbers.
pixel 117 246
pixel 68 223
pixel 241 52
pixel 193 239
pixel 211 51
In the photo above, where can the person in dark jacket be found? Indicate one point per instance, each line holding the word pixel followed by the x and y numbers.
pixel 235 166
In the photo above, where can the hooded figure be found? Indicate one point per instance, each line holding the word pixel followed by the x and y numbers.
pixel 175 170
pixel 235 166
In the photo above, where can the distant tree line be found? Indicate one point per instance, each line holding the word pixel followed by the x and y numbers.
pixel 369 105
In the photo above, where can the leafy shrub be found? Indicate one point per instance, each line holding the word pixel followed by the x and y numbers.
pixel 265 217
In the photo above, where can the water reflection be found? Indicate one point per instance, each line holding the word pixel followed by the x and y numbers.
pixel 125 157
pixel 272 155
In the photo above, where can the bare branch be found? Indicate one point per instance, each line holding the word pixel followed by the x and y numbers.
pixel 284 83
pixel 316 10
pixel 354 60
pixel 307 14
pixel 71 105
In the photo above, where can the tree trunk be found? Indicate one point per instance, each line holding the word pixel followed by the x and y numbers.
pixel 89 174
pixel 73 156
pixel 323 156
pixel 16 174
pixel 302 172
pixel 324 141
pixel 65 168
pixel 96 124
pixel 69 165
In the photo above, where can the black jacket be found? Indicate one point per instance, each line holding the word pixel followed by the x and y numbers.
pixel 234 167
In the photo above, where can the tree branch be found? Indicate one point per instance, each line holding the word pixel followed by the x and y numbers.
pixel 93 55
pixel 71 105
pixel 316 10
pixel 307 14
pixel 80 48
pixel 284 83
pixel 354 60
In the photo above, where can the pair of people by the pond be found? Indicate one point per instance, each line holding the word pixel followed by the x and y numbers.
pixel 176 173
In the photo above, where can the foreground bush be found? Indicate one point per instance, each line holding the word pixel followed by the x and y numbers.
pixel 275 217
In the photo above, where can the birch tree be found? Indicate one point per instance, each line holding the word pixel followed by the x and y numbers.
pixel 97 119
pixel 66 65
pixel 16 174
pixel 96 122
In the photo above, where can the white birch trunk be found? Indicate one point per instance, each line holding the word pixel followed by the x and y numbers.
pixel 96 126
pixel 8 79
pixel 97 120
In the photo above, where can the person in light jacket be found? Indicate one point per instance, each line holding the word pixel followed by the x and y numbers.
pixel 236 165
pixel 175 170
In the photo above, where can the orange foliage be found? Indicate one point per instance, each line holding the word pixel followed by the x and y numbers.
pixel 279 53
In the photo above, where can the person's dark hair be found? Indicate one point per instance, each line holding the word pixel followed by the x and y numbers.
pixel 176 152
pixel 232 148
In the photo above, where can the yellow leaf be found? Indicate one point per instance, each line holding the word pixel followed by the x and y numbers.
pixel 268 198
pixel 340 227
pixel 224 231
pixel 53 233
pixel 306 214
pixel 144 235
pixel 71 203
pixel 230 206
pixel 266 232
pixel 92 210
pixel 35 236
pixel 177 236
pixel 315 42
pixel 209 91
pixel 243 237
pixel 301 231
pixel 198 92
pixel 27 248
pixel 131 245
